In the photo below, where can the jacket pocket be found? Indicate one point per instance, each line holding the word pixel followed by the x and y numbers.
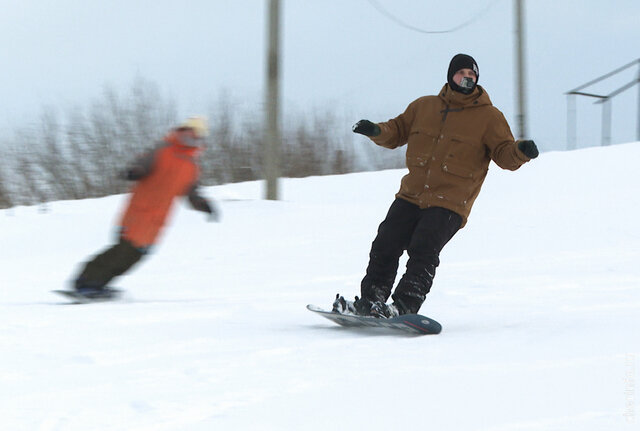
pixel 414 182
pixel 463 150
pixel 460 184
pixel 421 144
pixel 458 170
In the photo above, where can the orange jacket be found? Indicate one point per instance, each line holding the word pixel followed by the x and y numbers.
pixel 168 172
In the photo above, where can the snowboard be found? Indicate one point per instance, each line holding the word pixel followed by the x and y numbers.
pixel 77 298
pixel 412 323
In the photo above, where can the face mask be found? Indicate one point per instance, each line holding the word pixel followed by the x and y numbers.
pixel 467 85
pixel 190 141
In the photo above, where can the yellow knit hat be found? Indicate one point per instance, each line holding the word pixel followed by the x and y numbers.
pixel 198 124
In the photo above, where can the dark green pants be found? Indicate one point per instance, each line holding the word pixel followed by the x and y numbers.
pixel 114 261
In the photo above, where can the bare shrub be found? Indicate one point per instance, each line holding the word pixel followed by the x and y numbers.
pixel 81 155
pixel 5 194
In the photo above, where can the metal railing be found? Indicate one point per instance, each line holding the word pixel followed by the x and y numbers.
pixel 605 100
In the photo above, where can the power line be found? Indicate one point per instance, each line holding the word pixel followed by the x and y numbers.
pixel 401 23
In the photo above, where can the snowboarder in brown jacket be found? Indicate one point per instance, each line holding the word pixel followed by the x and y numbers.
pixel 451 138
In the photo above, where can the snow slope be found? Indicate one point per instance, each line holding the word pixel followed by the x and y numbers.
pixel 539 297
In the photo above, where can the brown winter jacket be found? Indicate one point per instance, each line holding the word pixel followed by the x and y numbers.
pixel 451 139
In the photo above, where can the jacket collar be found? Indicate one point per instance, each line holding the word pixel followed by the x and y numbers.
pixel 174 139
pixel 478 97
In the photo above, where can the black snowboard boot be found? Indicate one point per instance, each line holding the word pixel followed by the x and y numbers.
pixel 384 311
pixel 362 306
pixel 93 290
pixel 411 293
pixel 343 306
pixel 371 293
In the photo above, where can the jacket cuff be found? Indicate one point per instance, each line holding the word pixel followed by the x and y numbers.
pixel 383 138
pixel 520 155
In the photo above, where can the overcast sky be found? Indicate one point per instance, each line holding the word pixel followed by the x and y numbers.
pixel 339 55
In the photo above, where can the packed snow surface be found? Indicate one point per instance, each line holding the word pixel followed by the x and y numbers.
pixel 539 298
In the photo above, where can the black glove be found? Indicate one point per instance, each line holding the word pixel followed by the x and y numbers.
pixel 367 128
pixel 214 215
pixel 139 168
pixel 208 207
pixel 132 174
pixel 529 149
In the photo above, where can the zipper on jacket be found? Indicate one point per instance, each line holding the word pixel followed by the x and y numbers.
pixel 429 166
pixel 446 111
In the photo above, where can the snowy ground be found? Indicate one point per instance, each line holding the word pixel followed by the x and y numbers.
pixel 539 297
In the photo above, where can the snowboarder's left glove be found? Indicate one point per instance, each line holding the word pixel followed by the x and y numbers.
pixel 204 205
pixel 529 149
pixel 200 203
pixel 367 128
pixel 214 214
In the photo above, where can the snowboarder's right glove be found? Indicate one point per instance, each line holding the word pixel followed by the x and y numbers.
pixel 367 128
pixel 133 174
pixel 140 168
pixel 529 149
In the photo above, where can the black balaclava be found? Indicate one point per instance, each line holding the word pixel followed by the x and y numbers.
pixel 462 61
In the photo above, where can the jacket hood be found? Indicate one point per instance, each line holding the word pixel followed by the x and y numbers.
pixel 478 97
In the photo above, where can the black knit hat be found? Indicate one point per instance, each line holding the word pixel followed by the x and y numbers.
pixel 462 61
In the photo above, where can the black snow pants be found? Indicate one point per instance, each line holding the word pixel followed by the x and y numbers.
pixel 114 261
pixel 423 233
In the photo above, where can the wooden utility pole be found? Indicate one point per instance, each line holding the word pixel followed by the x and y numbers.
pixel 521 115
pixel 272 105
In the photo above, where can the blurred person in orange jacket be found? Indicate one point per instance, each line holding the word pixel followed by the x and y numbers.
pixel 161 175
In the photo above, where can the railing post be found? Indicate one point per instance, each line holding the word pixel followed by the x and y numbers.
pixel 606 122
pixel 638 119
pixel 572 123
pixel 605 100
